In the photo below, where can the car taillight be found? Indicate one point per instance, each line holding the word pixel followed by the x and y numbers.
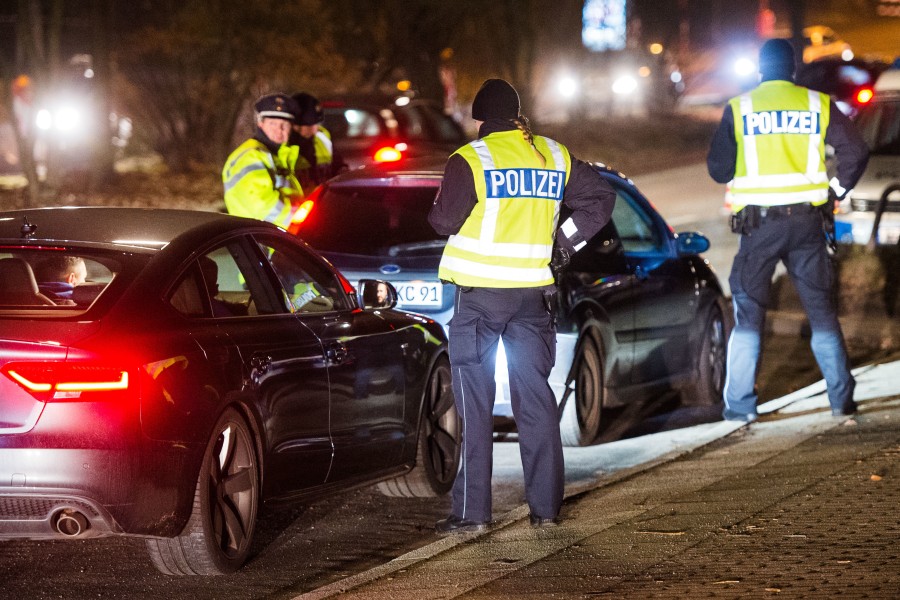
pixel 303 211
pixel 864 95
pixel 65 381
pixel 387 154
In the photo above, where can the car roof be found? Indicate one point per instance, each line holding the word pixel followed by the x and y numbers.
pixel 147 228
pixel 426 167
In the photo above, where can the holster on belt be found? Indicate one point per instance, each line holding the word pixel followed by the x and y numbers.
pixel 827 212
pixel 745 220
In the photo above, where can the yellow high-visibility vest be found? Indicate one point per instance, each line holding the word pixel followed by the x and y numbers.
pixel 780 132
pixel 507 240
pixel 260 185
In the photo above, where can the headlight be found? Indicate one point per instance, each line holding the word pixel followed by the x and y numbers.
pixel 567 87
pixel 744 67
pixel 67 119
pixel 43 120
pixel 625 84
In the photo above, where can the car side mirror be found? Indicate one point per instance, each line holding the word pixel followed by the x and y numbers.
pixel 374 293
pixel 691 242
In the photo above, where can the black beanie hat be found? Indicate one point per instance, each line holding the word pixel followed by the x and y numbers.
pixel 776 59
pixel 309 110
pixel 496 99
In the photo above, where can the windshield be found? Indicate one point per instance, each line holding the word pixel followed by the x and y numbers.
pixel 374 220
pixel 879 124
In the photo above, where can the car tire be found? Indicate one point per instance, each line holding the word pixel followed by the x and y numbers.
pixel 581 417
pixel 438 444
pixel 708 382
pixel 218 535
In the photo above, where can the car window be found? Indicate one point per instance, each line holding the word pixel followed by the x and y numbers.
pixel 214 285
pixel 351 123
pixel 425 122
pixel 308 285
pixel 54 278
pixel 388 220
pixel 879 124
pixel 636 229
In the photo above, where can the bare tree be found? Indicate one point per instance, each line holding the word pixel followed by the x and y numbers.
pixel 187 78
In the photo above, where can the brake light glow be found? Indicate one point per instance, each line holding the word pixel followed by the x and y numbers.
pixel 388 154
pixel 864 95
pixel 65 380
pixel 303 211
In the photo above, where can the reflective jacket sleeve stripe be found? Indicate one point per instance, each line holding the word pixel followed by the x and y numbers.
pixel 814 159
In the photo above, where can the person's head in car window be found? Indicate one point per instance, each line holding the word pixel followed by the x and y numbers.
pixel 381 294
pixel 58 275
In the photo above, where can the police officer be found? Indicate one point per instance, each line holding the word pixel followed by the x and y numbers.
pixel 771 145
pixel 500 202
pixel 318 160
pixel 259 175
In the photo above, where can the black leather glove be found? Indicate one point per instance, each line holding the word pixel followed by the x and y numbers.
pixel 559 260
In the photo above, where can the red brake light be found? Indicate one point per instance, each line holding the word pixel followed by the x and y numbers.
pixel 387 154
pixel 302 212
pixel 864 95
pixel 60 380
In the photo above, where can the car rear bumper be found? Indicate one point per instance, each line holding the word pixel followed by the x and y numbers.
pixel 106 492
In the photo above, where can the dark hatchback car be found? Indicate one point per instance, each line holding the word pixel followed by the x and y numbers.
pixel 208 364
pixel 640 311
pixel 373 129
pixel 849 82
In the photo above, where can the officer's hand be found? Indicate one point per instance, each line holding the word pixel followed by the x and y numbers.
pixel 559 259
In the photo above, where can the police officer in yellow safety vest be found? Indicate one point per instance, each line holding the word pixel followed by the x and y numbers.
pixel 259 175
pixel 318 160
pixel 770 145
pixel 500 203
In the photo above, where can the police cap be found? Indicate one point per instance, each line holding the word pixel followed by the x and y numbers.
pixel 309 109
pixel 276 106
pixel 496 99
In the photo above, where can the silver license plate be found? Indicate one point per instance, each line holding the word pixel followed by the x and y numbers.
pixel 420 293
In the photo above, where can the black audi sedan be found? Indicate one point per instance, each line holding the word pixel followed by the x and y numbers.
pixel 163 373
pixel 640 310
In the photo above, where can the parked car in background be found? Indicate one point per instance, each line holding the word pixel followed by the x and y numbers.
pixel 850 82
pixel 879 124
pixel 641 312
pixel 208 364
pixel 373 129
pixel 820 41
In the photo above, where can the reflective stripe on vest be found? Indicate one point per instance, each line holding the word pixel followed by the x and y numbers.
pixel 327 147
pixel 260 185
pixel 779 129
pixel 507 240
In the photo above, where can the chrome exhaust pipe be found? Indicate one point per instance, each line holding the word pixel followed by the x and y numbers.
pixel 70 523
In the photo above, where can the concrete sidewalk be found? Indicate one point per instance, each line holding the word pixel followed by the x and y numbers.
pixel 798 503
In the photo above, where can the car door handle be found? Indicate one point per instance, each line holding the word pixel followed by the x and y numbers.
pixel 260 364
pixel 336 353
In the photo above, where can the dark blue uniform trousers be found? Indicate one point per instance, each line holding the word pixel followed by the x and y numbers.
pixel 481 317
pixel 798 241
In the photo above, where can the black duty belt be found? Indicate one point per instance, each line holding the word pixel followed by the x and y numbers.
pixel 786 210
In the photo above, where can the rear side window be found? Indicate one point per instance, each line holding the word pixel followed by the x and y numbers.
pixel 215 286
pixel 879 124
pixel 54 278
pixel 351 123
